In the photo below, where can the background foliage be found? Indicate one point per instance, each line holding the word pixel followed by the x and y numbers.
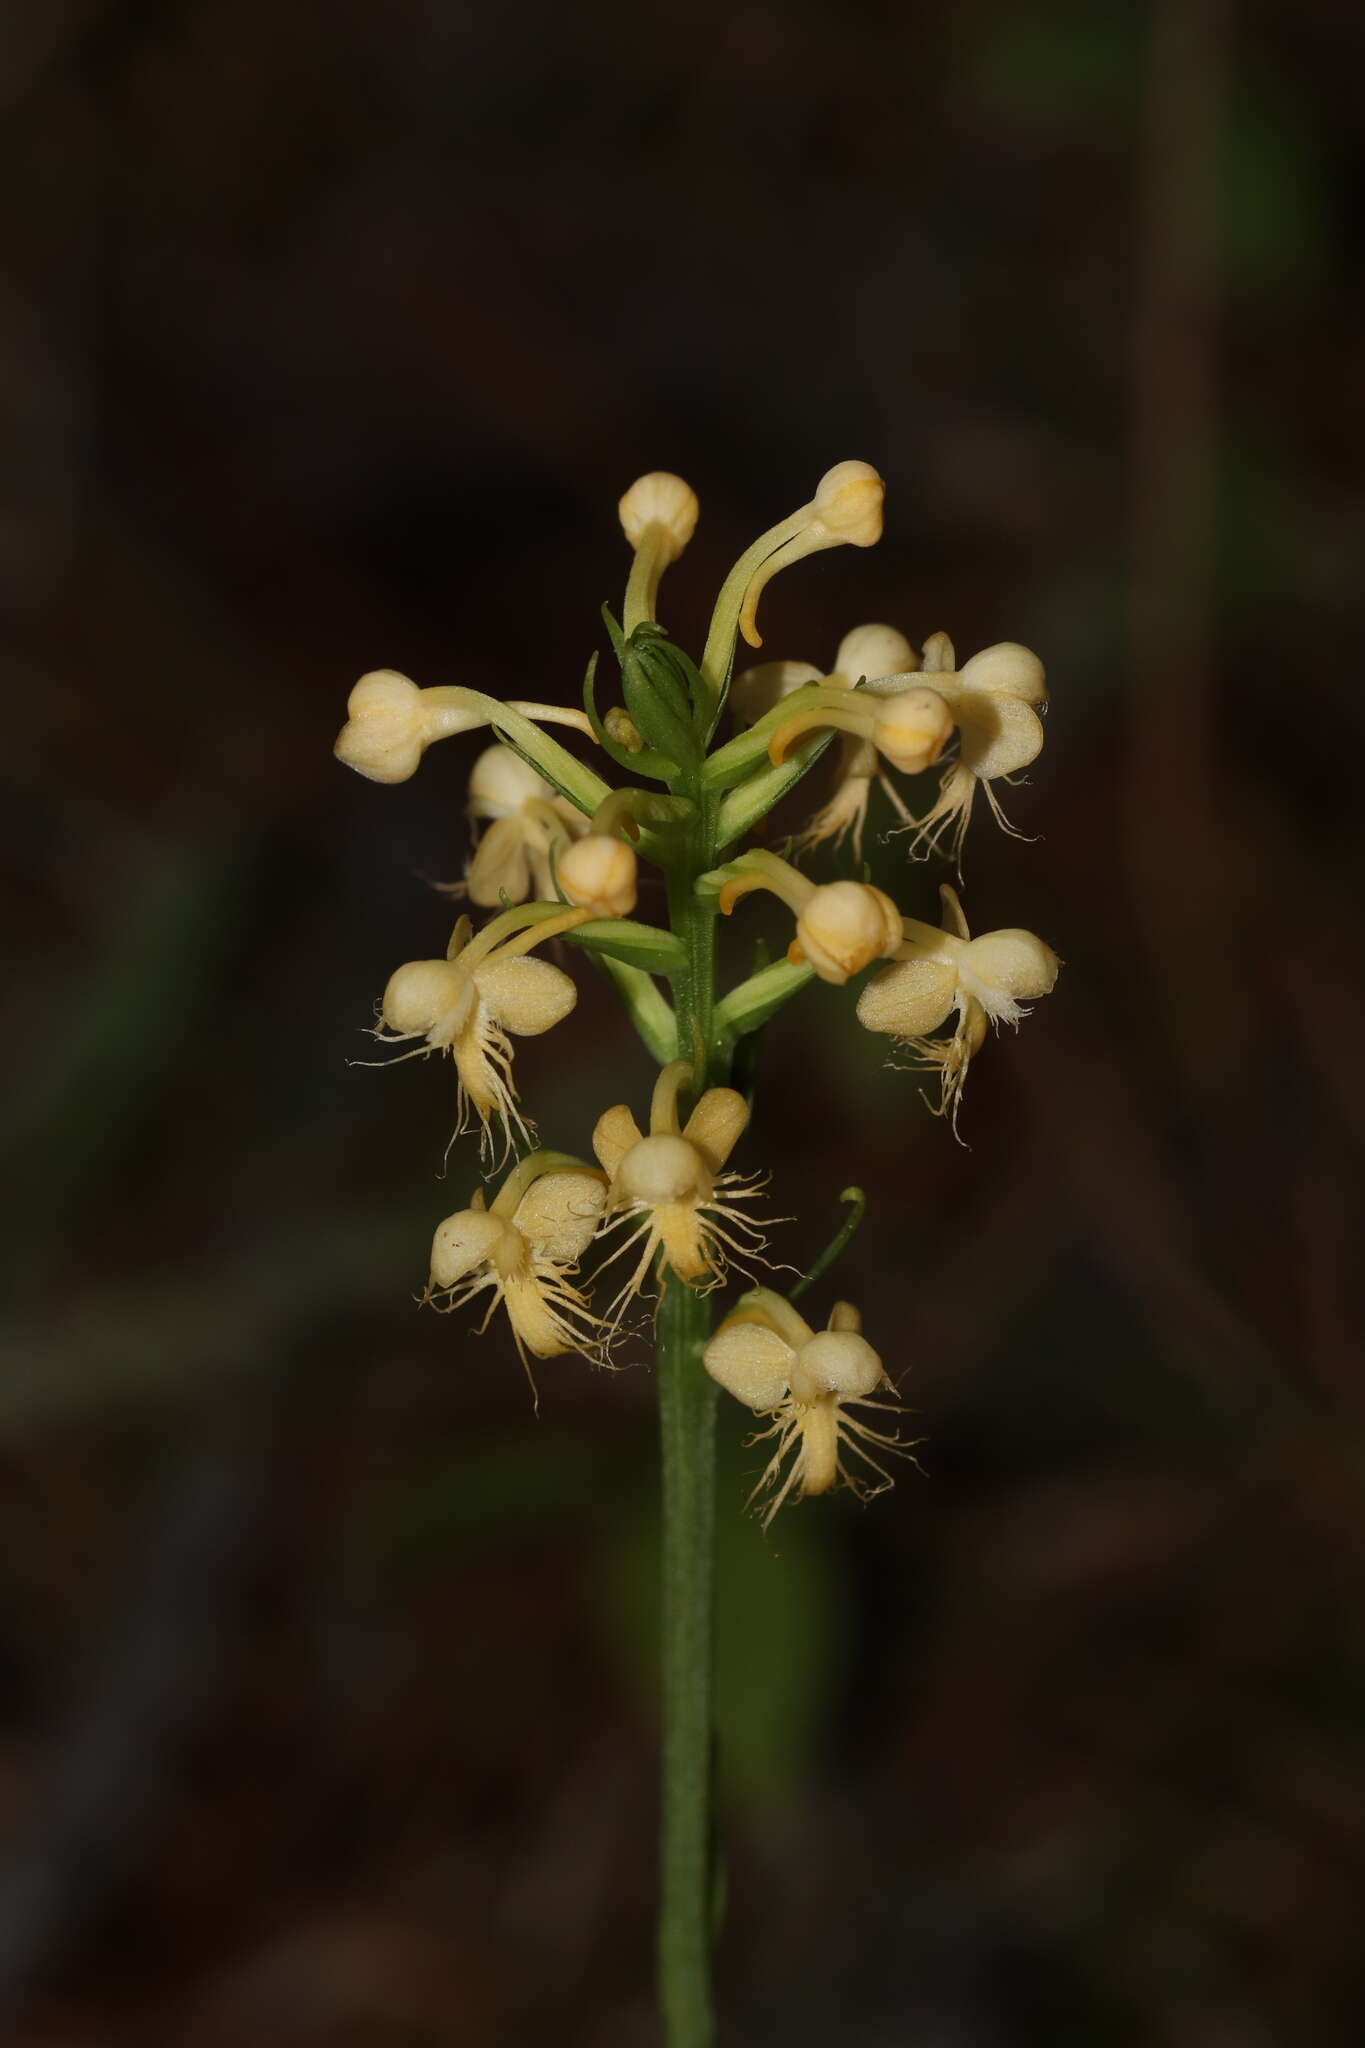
pixel 330 336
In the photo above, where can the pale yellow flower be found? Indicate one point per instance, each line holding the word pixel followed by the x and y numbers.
pixel 672 1182
pixel 468 1003
pixel 523 1249
pixel 600 874
pixel 659 509
pixel 868 653
pixel 770 1358
pixel 938 972
pixel 525 821
pixel 995 700
pixel 390 722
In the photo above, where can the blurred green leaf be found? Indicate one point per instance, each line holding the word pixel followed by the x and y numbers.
pixel 1276 211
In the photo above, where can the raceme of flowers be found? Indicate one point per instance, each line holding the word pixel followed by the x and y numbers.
pixel 558 866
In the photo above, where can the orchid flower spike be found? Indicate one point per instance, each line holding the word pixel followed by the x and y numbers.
pixel 672 1184
pixel 768 1357
pixel 390 722
pixel 841 927
pixel 995 700
pixel 986 981
pixel 524 1248
pixel 526 820
pixel 468 1003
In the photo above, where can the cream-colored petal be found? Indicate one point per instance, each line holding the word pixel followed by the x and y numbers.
pixel 614 1134
pixel 751 1362
pixel 500 783
pixel 1007 667
pixel 940 657
pixel 559 1214
pixel 683 1238
pixel 954 916
pixel 908 998
pixel 874 651
pixel 664 502
pixel 1000 734
pixel 527 996
pixel 765 1305
pixel 1002 969
pixel 424 993
pixel 464 1242
pixel 717 1124
pixel 386 729
pixel 548 1317
pixel 499 866
pixel 836 1362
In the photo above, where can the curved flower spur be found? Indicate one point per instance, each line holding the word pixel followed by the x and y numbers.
pixel 566 854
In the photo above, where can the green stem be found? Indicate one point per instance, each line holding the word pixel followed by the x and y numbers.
pixel 687 1439
pixel 687 1425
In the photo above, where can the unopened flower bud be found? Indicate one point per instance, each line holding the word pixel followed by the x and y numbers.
pixel 386 727
pixel 845 926
pixel 600 873
pixel 664 503
pixel 848 503
pixel 911 728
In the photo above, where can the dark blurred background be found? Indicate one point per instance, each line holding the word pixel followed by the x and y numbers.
pixel 330 336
